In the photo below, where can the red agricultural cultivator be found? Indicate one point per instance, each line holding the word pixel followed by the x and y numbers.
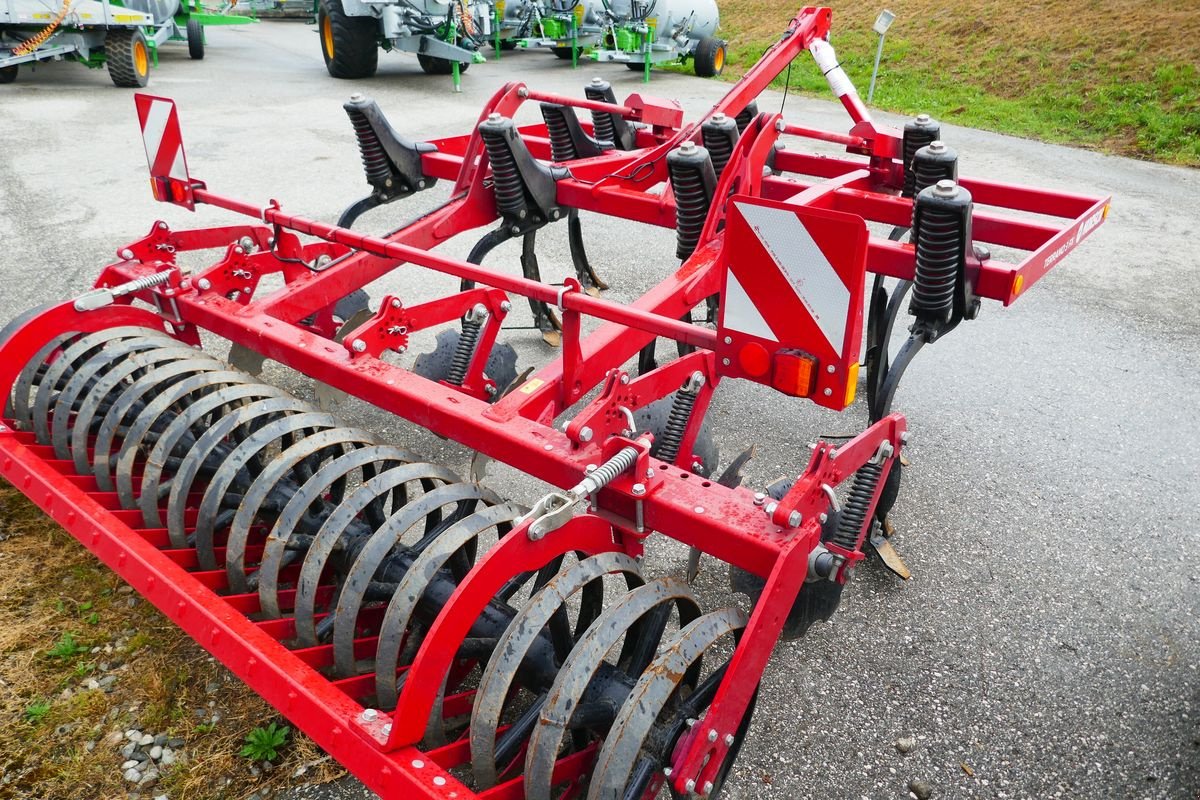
pixel 438 640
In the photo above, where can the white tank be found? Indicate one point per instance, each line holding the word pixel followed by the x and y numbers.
pixel 679 19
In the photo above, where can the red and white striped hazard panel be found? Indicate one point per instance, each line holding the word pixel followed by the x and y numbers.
pixel 163 140
pixel 792 305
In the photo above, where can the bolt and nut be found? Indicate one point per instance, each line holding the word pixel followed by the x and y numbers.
pixel 585 434
pixel 639 489
pixel 204 284
pixel 358 346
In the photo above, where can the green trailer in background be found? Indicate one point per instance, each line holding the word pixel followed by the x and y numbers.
pixel 123 36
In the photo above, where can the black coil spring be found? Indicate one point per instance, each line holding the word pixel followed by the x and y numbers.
pixel 691 207
pixel 506 178
pixel 745 116
pixel 928 173
pixel 939 247
pixel 719 147
pixel 602 121
pixel 562 146
pixel 914 140
pixel 857 505
pixel 463 352
pixel 666 446
pixel 374 159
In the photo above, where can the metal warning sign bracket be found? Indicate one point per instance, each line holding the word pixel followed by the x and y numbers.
pixel 792 299
pixel 163 139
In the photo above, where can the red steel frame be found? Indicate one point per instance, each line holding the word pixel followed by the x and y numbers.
pixel 519 429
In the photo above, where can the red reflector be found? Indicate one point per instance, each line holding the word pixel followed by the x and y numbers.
pixel 795 373
pixel 754 360
pixel 178 191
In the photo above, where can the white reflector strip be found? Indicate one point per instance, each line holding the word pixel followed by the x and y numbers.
pixel 809 272
pixel 740 312
pixel 152 131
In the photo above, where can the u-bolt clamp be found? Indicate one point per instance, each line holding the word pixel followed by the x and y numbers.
pixel 556 508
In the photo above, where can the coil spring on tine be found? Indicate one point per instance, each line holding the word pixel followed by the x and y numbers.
pixel 562 147
pixel 937 259
pixel 857 505
pixel 666 446
pixel 506 178
pixel 691 209
pixel 374 158
pixel 602 121
pixel 719 146
pixel 464 351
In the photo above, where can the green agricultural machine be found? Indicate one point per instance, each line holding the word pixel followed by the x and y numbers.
pixel 122 36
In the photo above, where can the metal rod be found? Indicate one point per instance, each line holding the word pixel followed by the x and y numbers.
pixel 875 72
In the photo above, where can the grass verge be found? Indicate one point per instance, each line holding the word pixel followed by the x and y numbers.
pixel 1117 78
pixel 83 659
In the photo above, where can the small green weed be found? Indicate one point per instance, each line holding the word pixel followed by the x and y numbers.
pixel 66 648
pixel 35 711
pixel 263 744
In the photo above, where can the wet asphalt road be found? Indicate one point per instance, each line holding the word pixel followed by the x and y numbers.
pixel 1047 645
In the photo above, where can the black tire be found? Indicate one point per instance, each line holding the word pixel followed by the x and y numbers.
pixel 562 52
pixel 8 74
pixel 128 58
pixel 634 66
pixel 195 39
pixel 506 45
pixel 432 65
pixel 709 57
pixel 349 45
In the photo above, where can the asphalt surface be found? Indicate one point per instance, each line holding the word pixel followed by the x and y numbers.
pixel 1047 645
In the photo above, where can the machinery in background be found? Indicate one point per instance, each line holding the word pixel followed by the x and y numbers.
pixel 122 36
pixel 445 36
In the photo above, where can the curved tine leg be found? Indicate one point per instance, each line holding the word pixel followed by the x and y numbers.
pixel 583 268
pixel 233 471
pixel 310 494
pixel 567 691
pixel 486 244
pixel 183 432
pixel 209 445
pixel 125 406
pixel 876 310
pixel 335 527
pixel 627 738
pixel 544 318
pixel 19 407
pixel 155 419
pixel 86 378
pixel 371 557
pixel 56 374
pixel 326 444
pixel 412 587
pixel 515 644
pixel 896 372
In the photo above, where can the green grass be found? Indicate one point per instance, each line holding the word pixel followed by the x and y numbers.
pixel 1115 99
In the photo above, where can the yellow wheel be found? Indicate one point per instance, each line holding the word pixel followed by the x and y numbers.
pixel 349 44
pixel 708 58
pixel 327 37
pixel 128 57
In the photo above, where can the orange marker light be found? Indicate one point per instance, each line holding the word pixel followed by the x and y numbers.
pixel 795 373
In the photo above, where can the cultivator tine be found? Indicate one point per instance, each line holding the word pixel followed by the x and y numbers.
pixel 881 543
pixel 544 317
pixel 588 279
